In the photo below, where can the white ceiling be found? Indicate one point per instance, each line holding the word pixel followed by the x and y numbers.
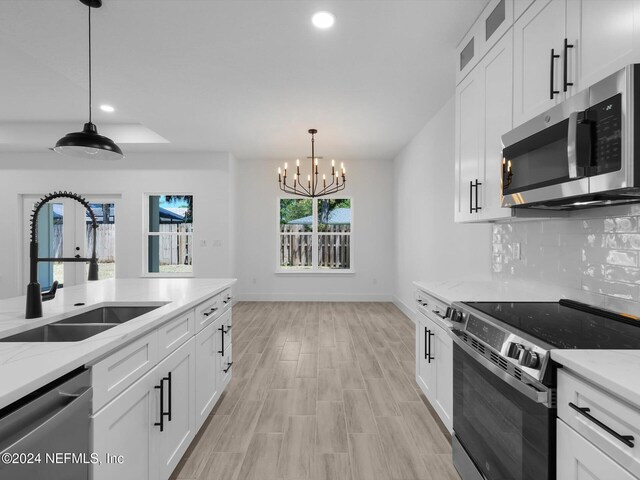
pixel 245 76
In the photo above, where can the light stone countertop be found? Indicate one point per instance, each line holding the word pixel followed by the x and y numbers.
pixel 617 371
pixel 488 291
pixel 24 367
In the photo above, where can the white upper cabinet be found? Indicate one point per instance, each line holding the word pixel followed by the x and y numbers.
pixel 538 59
pixel 497 119
pixel 563 46
pixel 603 39
pixel 493 23
pixel 468 117
pixel 483 114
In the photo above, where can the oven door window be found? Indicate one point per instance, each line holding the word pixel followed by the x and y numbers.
pixel 507 435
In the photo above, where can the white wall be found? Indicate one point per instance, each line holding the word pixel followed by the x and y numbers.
pixel 206 175
pixel 257 194
pixel 429 245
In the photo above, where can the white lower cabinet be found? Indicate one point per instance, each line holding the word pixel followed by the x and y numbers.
pixel 151 424
pixel 207 392
pixel 125 428
pixel 434 367
pixel 177 371
pixel 142 428
pixel 597 432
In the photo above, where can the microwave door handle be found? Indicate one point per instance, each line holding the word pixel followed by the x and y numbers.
pixel 572 151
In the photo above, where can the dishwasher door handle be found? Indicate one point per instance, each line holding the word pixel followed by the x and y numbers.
pixel 52 421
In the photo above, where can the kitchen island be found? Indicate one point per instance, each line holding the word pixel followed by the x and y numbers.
pixel 159 356
pixel 24 367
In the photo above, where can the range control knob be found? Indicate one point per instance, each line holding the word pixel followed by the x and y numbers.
pixel 529 359
pixel 514 349
pixel 455 315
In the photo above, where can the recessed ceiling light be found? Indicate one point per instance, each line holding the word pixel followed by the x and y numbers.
pixel 107 108
pixel 323 20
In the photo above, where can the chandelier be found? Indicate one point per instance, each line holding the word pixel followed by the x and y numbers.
pixel 313 188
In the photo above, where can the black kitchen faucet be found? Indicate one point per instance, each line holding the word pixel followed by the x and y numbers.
pixel 34 295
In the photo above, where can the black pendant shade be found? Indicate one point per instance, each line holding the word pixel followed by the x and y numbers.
pixel 88 143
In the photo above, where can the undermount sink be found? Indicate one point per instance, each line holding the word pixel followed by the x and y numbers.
pixel 81 326
pixel 114 314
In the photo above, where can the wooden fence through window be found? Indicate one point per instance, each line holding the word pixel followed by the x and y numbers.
pixel 334 246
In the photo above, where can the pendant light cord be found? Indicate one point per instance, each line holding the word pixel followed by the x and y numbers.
pixel 89 63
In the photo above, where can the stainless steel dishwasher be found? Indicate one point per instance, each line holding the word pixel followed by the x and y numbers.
pixel 47 434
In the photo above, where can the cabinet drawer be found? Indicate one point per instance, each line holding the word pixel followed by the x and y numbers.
pixel 112 375
pixel 226 298
pixel 174 333
pixel 606 416
pixel 207 311
pixel 578 459
pixel 432 308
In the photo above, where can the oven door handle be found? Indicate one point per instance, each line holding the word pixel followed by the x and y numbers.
pixel 528 391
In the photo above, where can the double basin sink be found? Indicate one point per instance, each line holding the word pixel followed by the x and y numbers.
pixel 82 326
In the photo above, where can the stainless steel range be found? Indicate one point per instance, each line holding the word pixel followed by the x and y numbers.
pixel 504 410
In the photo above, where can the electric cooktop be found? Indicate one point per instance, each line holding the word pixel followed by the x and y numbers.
pixel 567 324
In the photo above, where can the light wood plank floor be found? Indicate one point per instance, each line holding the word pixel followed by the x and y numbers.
pixel 320 391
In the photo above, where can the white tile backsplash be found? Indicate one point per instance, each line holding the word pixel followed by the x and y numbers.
pixel 594 253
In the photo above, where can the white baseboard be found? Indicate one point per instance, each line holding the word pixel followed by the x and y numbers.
pixel 313 297
pixel 404 308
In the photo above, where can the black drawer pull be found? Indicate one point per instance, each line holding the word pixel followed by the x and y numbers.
pixel 228 367
pixel 626 439
pixel 211 311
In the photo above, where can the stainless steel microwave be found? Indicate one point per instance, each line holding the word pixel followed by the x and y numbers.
pixel 579 154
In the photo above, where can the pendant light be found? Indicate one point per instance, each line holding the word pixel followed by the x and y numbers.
pixel 88 143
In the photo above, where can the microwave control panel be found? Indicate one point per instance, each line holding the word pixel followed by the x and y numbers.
pixel 605 120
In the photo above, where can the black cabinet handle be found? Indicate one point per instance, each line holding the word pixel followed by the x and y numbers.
pixel 228 367
pixel 228 329
pixel 626 439
pixel 429 335
pixel 211 311
pixel 162 412
pixel 473 185
pixel 426 336
pixel 567 46
pixel 221 352
pixel 552 92
pixel 168 377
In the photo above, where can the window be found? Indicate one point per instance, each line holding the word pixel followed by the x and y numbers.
pixel 315 235
pixel 169 236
